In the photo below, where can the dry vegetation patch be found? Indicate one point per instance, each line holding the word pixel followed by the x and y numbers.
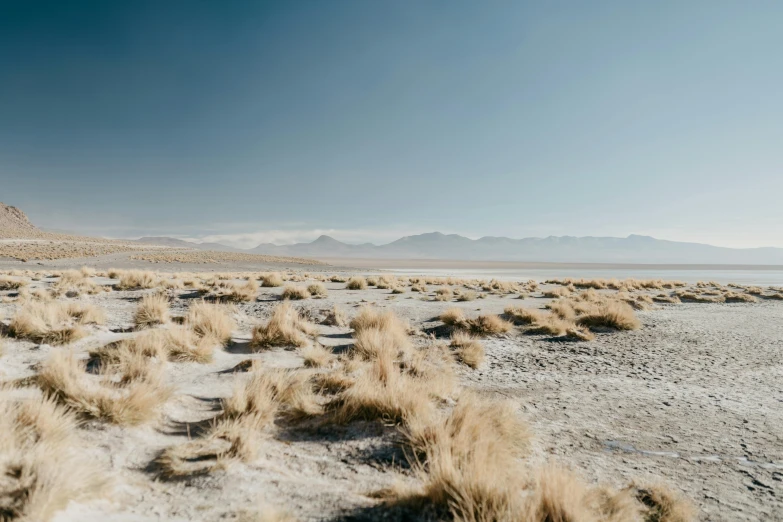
pixel 286 327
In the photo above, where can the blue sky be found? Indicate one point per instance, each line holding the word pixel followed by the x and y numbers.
pixel 255 121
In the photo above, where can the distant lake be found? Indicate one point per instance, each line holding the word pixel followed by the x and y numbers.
pixel 740 274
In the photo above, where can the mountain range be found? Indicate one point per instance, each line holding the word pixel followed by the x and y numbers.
pixel 562 249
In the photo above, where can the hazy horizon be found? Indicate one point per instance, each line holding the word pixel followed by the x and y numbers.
pixel 245 123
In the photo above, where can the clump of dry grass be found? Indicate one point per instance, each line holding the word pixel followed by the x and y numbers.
pixel 49 323
pixel 381 391
pixel 611 314
pixel 369 317
pixel 737 297
pixel 41 472
pixel 335 317
pixel 444 294
pixel 317 289
pixel 693 297
pixel 523 316
pixel 465 460
pixel 286 327
pixel 73 283
pixel 468 349
pixel 316 355
pixel 295 292
pixel 153 310
pixel 488 325
pixel 356 283
pixel 337 279
pixel 557 292
pixel 665 298
pixel 136 280
pixel 467 295
pixel 453 317
pixel 6 283
pixel 210 320
pixel 271 280
pixel 63 377
pixel 664 504
pixel 233 292
pixel 419 287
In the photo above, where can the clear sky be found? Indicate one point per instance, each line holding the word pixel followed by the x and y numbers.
pixel 257 121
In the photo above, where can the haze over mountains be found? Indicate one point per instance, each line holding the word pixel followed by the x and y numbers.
pixel 565 249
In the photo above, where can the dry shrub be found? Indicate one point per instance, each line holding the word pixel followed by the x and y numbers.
pixel 85 313
pixel 174 344
pixel 49 323
pixel 737 297
pixel 692 297
pixel 466 459
pixel 453 317
pixel 374 343
pixel 557 292
pixel 210 320
pixel 137 279
pixel 337 279
pixel 611 314
pixel 317 290
pixel 664 504
pixel 6 283
pixel 523 316
pixel 468 349
pixel 444 294
pixel 41 469
pixel 232 292
pixel 316 355
pixel 579 333
pixel 271 280
pixel 72 283
pixel 665 298
pixel 467 295
pixel 63 377
pixel 335 317
pixel 295 292
pixel 356 283
pixel 488 325
pixel 559 495
pixel 381 392
pixel 419 287
pixel 153 310
pixel 369 317
pixel 386 282
pixel 286 327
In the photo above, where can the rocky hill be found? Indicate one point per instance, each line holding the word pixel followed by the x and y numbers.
pixel 15 225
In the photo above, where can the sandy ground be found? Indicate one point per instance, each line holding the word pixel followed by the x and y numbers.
pixel 694 399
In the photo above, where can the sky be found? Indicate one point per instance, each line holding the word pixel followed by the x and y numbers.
pixel 248 122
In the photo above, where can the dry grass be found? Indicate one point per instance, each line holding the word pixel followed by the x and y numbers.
pixel 369 317
pixel 356 283
pixel 453 317
pixel 468 349
pixel 41 471
pixel 316 355
pixel 488 325
pixel 137 280
pixel 557 292
pixel 317 290
pixel 49 323
pixel 153 310
pixel 295 292
pixel 523 316
pixel 271 280
pixel 286 327
pixel 611 314
pixel 664 504
pixel 63 377
pixel 381 392
pixel 444 294
pixel 466 459
pixel 233 292
pixel 737 297
pixel 467 295
pixel 210 320
pixel 335 317
pixel 6 283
